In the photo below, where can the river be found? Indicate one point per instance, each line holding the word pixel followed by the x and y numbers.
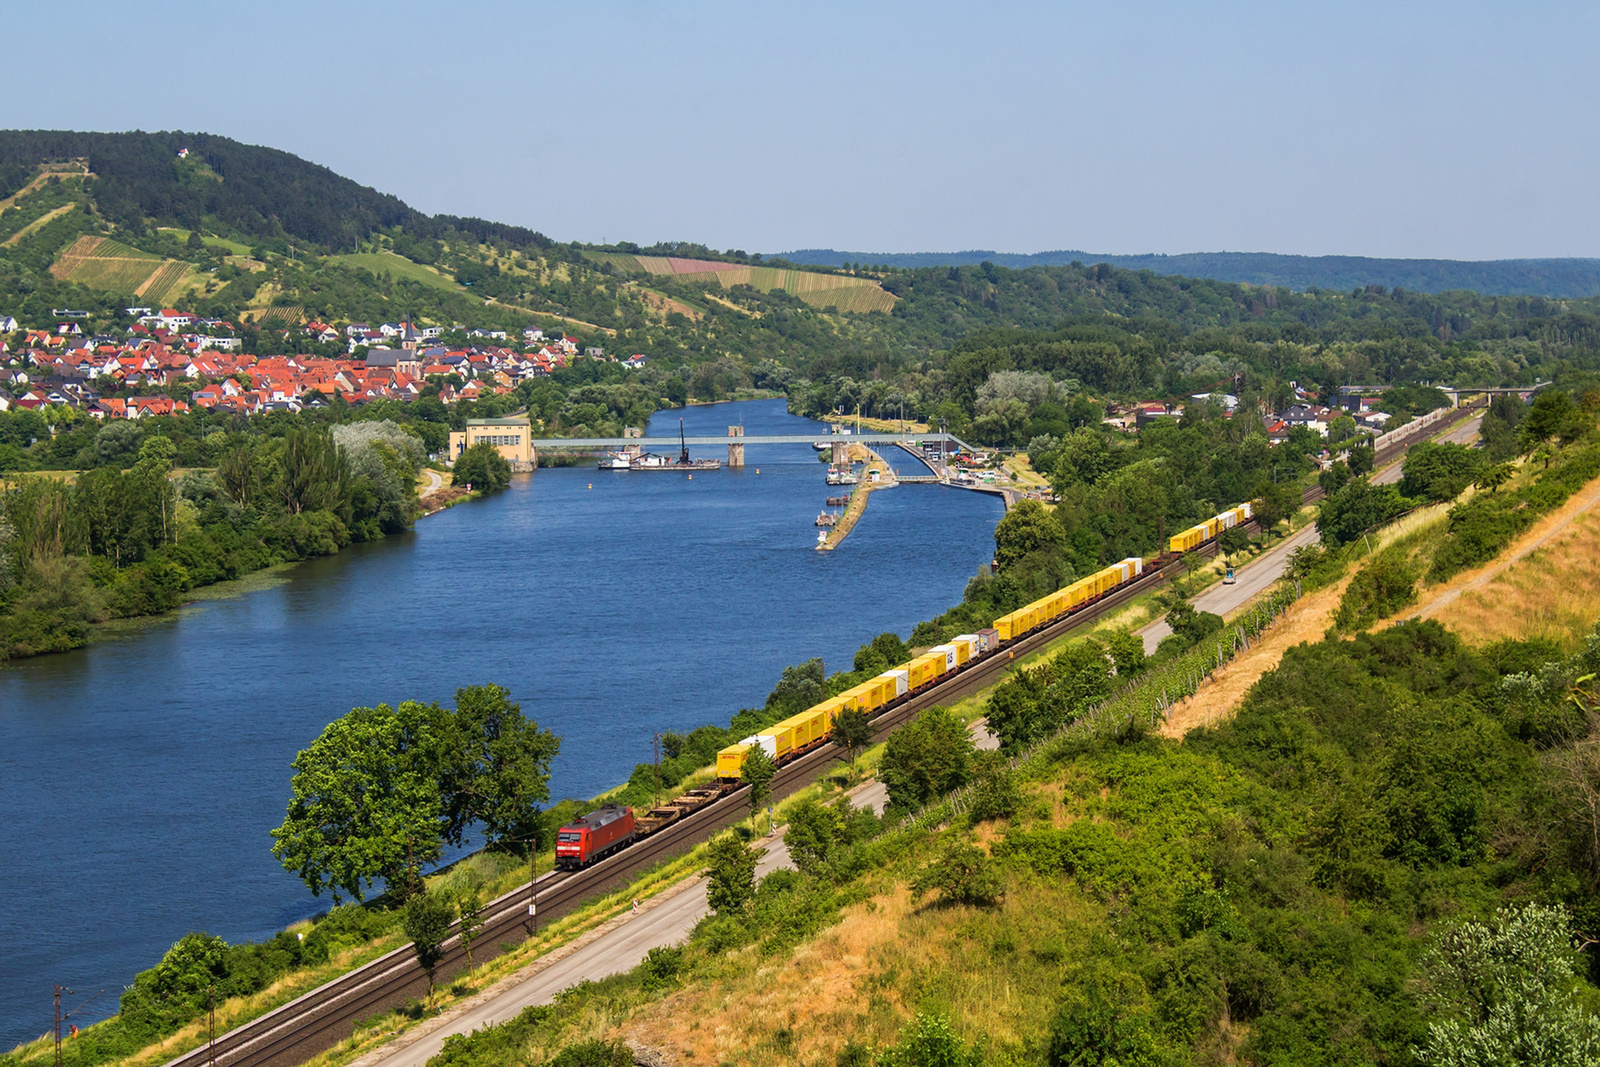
pixel 139 777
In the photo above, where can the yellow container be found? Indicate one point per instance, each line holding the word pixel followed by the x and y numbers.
pixel 829 710
pixel 808 727
pixel 881 690
pixel 730 761
pixel 858 697
pixel 925 669
pixel 782 740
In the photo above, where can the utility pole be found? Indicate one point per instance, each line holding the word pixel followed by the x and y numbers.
pixel 657 803
pixel 211 1033
pixel 533 880
pixel 60 1018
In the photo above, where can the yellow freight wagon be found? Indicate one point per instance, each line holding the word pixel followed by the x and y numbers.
pixel 1005 626
pixel 730 761
pixel 829 710
pixel 896 681
pixel 882 690
pixel 925 669
pixel 809 727
pixel 966 648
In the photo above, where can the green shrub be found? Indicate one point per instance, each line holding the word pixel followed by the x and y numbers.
pixel 1360 506
pixel 1385 585
pixel 1439 470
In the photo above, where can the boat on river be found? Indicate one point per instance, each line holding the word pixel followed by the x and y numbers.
pixel 842 477
pixel 652 461
pixel 828 518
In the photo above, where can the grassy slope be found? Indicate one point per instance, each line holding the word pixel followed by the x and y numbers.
pixel 400 267
pixel 844 292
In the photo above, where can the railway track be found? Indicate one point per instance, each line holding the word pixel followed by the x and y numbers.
pixel 321 1017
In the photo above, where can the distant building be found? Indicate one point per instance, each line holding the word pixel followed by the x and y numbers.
pixel 512 438
pixel 404 361
pixel 1227 400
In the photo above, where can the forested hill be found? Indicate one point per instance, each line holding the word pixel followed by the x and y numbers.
pixel 260 240
pixel 1498 277
pixel 257 192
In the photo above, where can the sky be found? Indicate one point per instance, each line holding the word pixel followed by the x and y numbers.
pixel 1462 131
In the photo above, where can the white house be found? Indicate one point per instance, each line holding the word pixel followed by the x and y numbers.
pixel 7 324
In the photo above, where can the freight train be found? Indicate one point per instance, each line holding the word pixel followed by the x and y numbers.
pixel 798 734
pixel 785 741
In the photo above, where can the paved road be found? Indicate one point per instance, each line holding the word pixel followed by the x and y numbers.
pixel 1253 578
pixel 666 922
pixel 1267 568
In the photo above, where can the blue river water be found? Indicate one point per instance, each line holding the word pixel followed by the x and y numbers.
pixel 139 777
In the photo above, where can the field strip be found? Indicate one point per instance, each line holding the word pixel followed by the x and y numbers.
pixel 40 223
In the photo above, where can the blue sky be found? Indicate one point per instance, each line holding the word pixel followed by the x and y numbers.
pixel 1461 131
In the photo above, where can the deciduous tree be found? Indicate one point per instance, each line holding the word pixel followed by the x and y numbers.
pixel 731 874
pixel 426 921
pixel 367 802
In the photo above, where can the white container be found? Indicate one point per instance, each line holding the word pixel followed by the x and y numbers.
pixel 1135 566
pixel 902 681
pixel 767 741
pixel 949 653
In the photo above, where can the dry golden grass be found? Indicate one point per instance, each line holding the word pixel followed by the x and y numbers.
pixel 995 974
pixel 1544 585
pixel 1222 694
pixel 1553 592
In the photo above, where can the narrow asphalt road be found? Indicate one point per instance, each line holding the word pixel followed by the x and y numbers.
pixel 1267 568
pixel 661 922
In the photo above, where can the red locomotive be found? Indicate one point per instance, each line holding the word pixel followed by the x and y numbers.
pixel 596 835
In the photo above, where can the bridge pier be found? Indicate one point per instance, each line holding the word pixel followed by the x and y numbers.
pixel 736 451
pixel 841 453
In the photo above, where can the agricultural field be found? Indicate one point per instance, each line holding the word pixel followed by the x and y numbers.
pixel 287 316
pixel 161 284
pixel 399 267
pixel 819 290
pixel 102 263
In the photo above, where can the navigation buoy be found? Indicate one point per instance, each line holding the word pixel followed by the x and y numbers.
pixel 691 477
pixel 591 485
pixel 758 470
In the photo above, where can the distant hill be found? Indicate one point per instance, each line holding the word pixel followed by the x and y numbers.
pixel 1498 277
pixel 257 192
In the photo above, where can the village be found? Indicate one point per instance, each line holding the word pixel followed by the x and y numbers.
pixel 166 348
